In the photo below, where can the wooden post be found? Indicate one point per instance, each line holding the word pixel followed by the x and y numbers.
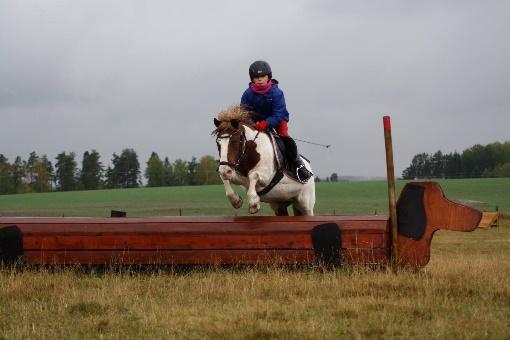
pixel 390 173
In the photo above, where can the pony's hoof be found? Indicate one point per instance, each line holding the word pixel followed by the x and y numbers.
pixel 238 203
pixel 254 208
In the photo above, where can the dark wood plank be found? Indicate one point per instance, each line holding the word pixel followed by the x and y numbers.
pixel 303 256
pixel 188 219
pixel 202 240
pixel 296 240
pixel 197 228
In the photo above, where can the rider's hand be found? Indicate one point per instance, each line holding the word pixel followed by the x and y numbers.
pixel 261 126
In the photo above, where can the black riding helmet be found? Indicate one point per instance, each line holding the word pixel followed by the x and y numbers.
pixel 260 68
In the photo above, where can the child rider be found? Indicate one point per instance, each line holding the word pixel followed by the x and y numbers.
pixel 266 101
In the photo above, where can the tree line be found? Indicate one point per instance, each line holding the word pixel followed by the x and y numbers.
pixel 39 174
pixel 491 160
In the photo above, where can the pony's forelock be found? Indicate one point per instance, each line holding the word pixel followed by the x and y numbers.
pixel 235 112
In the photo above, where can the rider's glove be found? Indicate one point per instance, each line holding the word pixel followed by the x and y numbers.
pixel 261 126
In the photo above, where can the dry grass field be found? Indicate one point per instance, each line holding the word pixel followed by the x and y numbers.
pixel 464 292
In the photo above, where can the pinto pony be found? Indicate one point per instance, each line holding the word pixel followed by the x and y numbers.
pixel 247 158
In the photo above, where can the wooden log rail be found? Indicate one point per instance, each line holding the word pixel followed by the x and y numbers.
pixel 195 240
pixel 422 209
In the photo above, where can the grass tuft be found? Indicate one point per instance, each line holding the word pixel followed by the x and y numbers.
pixel 87 309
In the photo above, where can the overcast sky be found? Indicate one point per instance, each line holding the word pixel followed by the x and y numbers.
pixel 151 75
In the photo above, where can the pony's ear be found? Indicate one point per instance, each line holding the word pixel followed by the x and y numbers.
pixel 235 123
pixel 217 122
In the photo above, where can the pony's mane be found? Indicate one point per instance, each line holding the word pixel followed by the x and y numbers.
pixel 235 112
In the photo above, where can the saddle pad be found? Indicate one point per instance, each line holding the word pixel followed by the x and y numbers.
pixel 282 158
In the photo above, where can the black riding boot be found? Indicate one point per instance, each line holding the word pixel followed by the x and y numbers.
pixel 302 173
pixel 294 159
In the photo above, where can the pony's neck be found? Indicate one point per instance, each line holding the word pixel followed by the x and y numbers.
pixel 249 131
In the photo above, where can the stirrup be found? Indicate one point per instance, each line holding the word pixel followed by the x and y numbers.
pixel 307 173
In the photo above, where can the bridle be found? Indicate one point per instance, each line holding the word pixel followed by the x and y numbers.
pixel 242 150
pixel 241 154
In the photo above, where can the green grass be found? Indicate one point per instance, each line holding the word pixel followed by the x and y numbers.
pixel 332 198
pixel 464 292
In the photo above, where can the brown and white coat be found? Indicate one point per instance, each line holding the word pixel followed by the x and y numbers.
pixel 247 159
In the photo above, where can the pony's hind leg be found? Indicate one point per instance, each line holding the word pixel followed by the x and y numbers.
pixel 305 202
pixel 280 209
pixel 302 211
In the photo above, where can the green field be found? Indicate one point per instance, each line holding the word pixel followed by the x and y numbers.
pixel 332 198
pixel 464 292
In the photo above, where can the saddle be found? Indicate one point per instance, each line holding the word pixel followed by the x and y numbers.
pixel 285 159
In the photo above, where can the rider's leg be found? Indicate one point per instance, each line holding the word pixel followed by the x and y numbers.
pixel 290 149
pixel 283 128
pixel 302 173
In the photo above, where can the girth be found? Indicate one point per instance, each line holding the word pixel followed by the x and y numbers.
pixel 276 179
pixel 279 163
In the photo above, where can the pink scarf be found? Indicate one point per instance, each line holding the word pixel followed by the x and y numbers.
pixel 261 89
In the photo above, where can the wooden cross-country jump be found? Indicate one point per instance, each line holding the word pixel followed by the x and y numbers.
pixel 403 240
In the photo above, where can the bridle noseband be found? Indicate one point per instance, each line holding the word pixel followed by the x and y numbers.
pixel 242 151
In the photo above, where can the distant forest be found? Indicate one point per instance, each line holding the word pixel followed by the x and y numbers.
pixel 39 174
pixel 492 160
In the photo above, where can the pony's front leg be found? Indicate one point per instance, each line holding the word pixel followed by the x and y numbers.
pixel 253 198
pixel 235 199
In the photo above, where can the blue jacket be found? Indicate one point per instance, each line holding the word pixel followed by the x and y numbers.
pixel 269 106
